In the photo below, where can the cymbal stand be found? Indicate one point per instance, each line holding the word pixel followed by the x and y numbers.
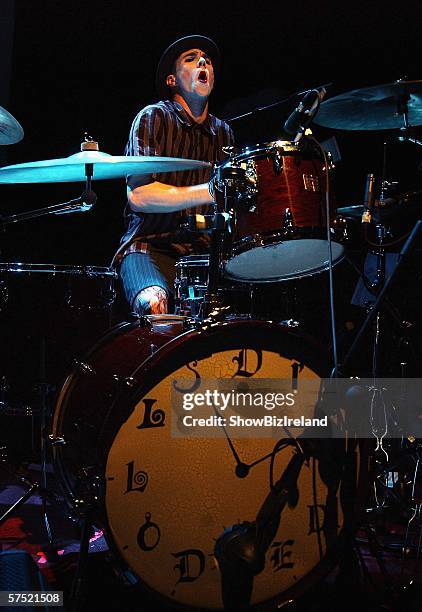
pixel 85 202
pixel 373 310
pixel 225 183
pixel 82 204
pixel 403 109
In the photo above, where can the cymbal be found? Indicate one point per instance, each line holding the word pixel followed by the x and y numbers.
pixel 400 203
pixel 10 130
pixel 105 166
pixel 373 108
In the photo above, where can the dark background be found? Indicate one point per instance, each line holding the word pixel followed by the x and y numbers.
pixel 89 66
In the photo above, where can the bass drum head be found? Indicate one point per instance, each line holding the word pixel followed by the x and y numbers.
pixel 168 498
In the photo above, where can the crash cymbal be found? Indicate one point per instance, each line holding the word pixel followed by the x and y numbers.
pixel 374 108
pixel 10 130
pixel 105 166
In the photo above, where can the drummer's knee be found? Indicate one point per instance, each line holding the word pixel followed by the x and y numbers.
pixel 151 300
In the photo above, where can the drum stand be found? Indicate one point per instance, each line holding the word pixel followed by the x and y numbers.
pixel 43 389
pixel 225 181
pixel 375 308
pixel 82 204
pixel 415 506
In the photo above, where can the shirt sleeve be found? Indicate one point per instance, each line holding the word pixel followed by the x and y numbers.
pixel 146 137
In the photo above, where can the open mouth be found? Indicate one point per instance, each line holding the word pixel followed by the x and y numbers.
pixel 203 77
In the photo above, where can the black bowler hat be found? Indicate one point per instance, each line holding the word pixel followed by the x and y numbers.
pixel 170 55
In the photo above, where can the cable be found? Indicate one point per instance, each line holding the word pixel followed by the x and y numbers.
pixel 334 373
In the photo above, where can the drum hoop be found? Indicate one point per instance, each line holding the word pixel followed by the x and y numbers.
pixel 236 324
pixel 199 261
pixel 36 268
pixel 284 147
pixel 248 243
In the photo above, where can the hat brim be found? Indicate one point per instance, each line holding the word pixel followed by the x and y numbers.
pixel 170 55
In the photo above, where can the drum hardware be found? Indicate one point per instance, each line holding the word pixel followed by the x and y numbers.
pixel 4 294
pixel 224 182
pixel 241 550
pixel 278 102
pixel 127 382
pixel 34 488
pixel 190 287
pixel 82 204
pixel 75 301
pixel 83 367
pixel 56 440
pixel 304 114
pixel 86 504
pixel 407 138
pixel 11 130
pixel 288 226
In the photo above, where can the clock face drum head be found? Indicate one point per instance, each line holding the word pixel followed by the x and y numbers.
pixel 166 495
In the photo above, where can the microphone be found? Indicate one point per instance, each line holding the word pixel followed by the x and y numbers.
pixel 301 117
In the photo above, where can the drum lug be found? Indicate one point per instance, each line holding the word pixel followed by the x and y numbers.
pixel 190 323
pixel 288 224
pixel 292 323
pixel 83 367
pixel 127 382
pixel 144 321
pixel 89 488
pixel 217 314
pixel 251 192
pixel 277 162
pixel 56 440
pixel 4 295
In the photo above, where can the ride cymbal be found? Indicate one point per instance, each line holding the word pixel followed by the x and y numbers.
pixel 374 108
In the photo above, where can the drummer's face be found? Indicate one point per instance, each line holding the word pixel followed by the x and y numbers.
pixel 193 74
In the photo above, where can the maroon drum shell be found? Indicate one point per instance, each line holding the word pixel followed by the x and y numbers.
pixel 299 186
pixel 89 392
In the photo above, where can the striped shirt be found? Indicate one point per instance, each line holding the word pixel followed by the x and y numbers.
pixel 165 129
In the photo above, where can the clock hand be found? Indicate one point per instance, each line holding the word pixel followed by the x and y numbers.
pixel 241 468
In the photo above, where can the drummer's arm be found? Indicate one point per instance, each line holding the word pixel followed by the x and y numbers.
pixel 159 197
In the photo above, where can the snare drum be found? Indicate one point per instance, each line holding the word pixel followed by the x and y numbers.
pixel 279 229
pixel 191 283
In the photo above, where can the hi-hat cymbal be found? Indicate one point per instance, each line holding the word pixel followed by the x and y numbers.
pixel 10 130
pixel 374 108
pixel 400 203
pixel 105 166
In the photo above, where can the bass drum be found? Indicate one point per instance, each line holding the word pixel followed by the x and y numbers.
pixel 165 499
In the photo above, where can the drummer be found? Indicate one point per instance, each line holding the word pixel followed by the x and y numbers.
pixel 177 126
